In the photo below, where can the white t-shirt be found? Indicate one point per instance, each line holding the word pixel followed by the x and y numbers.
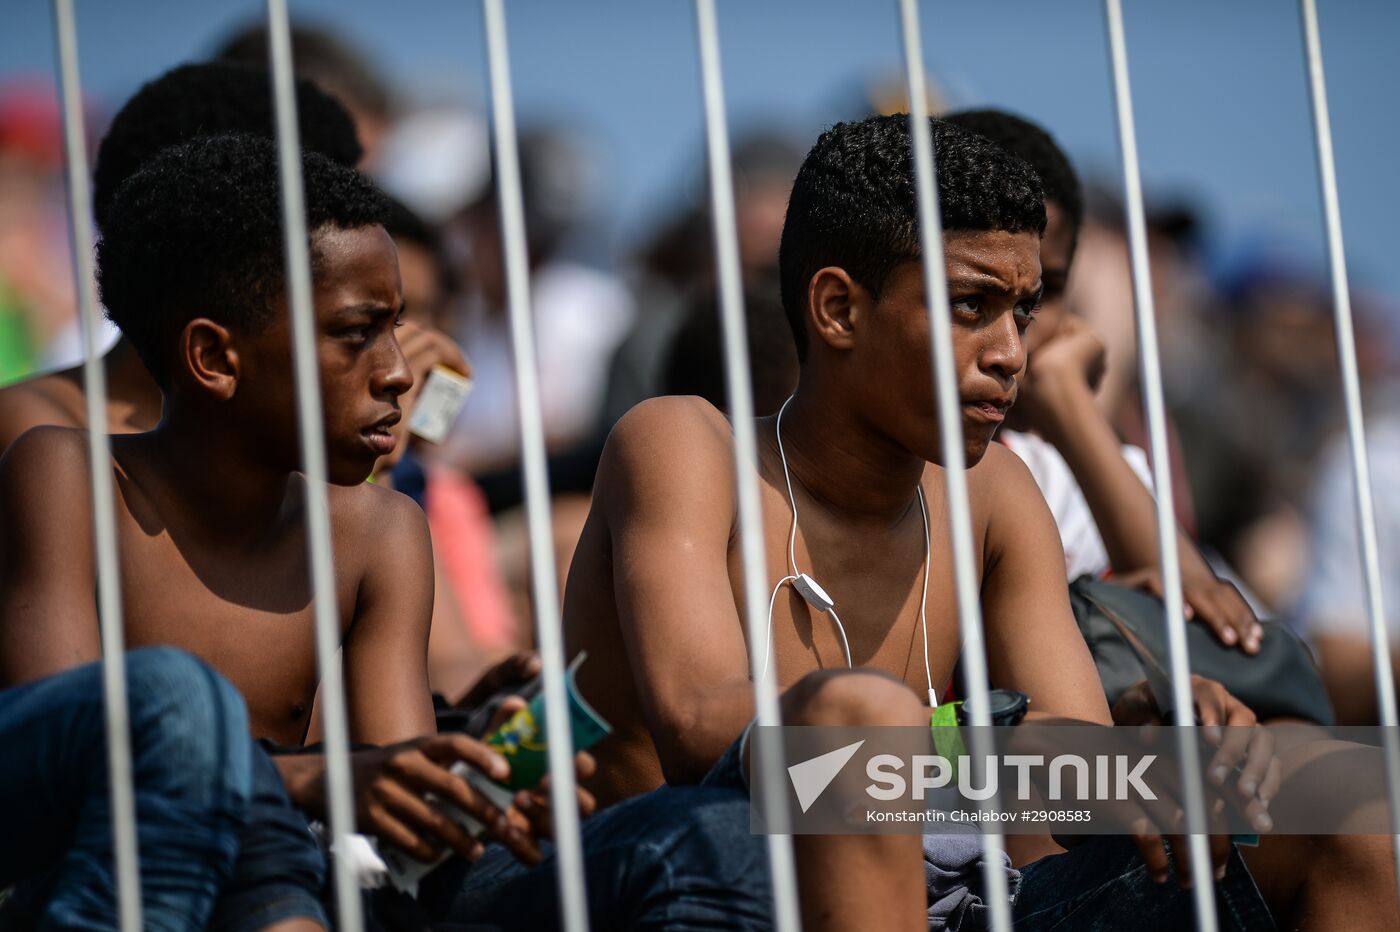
pixel 1084 549
pixel 1334 594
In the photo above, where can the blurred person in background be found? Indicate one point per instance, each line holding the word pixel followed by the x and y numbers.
pixel 437 162
pixel 1331 609
pixel 333 63
pixel 1257 414
pixel 695 363
pixel 38 313
pixel 678 264
pixel 581 313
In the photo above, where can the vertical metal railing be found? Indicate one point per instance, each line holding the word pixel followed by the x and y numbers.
pixel 335 728
pixel 1356 427
pixel 109 598
pixel 770 767
pixel 573 897
pixel 951 441
pixel 1150 369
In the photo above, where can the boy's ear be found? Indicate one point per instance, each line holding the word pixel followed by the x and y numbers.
pixel 835 306
pixel 207 357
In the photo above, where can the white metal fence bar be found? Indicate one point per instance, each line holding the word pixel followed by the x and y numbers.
pixel 740 394
pixel 104 529
pixel 1150 368
pixel 573 897
pixel 951 441
pixel 1356 427
pixel 313 461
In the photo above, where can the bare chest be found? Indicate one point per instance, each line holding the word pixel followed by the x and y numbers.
pixel 881 602
pixel 247 615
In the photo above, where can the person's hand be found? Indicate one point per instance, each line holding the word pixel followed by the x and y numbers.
pixel 512 672
pixel 532 811
pixel 1242 749
pixel 423 348
pixel 1210 600
pixel 391 783
pixel 1073 358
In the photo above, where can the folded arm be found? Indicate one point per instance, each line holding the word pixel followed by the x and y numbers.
pixel 666 487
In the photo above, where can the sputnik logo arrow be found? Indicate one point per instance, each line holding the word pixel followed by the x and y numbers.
pixel 811 777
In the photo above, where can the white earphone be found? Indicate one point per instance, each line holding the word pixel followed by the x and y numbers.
pixel 816 596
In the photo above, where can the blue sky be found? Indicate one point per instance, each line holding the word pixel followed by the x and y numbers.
pixel 1220 89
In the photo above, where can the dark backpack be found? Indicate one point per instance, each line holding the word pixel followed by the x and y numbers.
pixel 1282 680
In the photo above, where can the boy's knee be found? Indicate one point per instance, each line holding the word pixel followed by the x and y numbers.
pixel 186 716
pixel 852 697
pixel 176 688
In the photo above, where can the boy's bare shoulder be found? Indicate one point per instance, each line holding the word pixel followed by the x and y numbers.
pixel 1006 501
pixel 46 452
pixel 686 419
pixel 1001 475
pixel 371 512
pixel 666 445
pixel 53 399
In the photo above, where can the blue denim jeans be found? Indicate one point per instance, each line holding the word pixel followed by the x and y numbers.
pixel 1102 886
pixel 678 858
pixel 281 871
pixel 190 755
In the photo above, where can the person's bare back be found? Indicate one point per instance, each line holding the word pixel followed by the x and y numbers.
pixel 58 398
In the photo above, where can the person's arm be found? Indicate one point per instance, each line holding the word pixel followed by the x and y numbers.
pixel 666 490
pixel 1033 643
pixel 386 685
pixel 386 648
pixel 1057 397
pixel 48 610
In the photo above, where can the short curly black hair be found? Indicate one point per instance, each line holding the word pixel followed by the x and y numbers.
pixel 208 99
pixel 198 231
pixel 1036 148
pixel 853 203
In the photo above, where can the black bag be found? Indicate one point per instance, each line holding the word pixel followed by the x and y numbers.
pixel 1281 680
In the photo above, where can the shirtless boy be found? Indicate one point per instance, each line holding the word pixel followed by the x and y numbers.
pixel 654 591
pixel 210 506
pixel 212 537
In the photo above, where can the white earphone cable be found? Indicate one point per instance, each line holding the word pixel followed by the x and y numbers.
pixel 923 601
pixel 793 574
pixel 792 499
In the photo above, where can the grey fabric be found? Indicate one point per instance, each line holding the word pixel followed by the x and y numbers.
pixel 954 879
